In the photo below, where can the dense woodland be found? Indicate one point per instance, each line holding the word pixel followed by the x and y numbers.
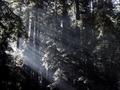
pixel 59 45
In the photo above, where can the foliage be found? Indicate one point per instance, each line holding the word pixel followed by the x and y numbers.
pixel 10 26
pixel 77 41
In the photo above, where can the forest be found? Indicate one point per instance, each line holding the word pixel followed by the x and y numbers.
pixel 59 44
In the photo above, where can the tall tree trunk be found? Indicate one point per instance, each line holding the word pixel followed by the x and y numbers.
pixel 77 2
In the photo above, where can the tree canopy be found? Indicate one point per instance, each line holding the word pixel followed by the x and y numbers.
pixel 74 44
